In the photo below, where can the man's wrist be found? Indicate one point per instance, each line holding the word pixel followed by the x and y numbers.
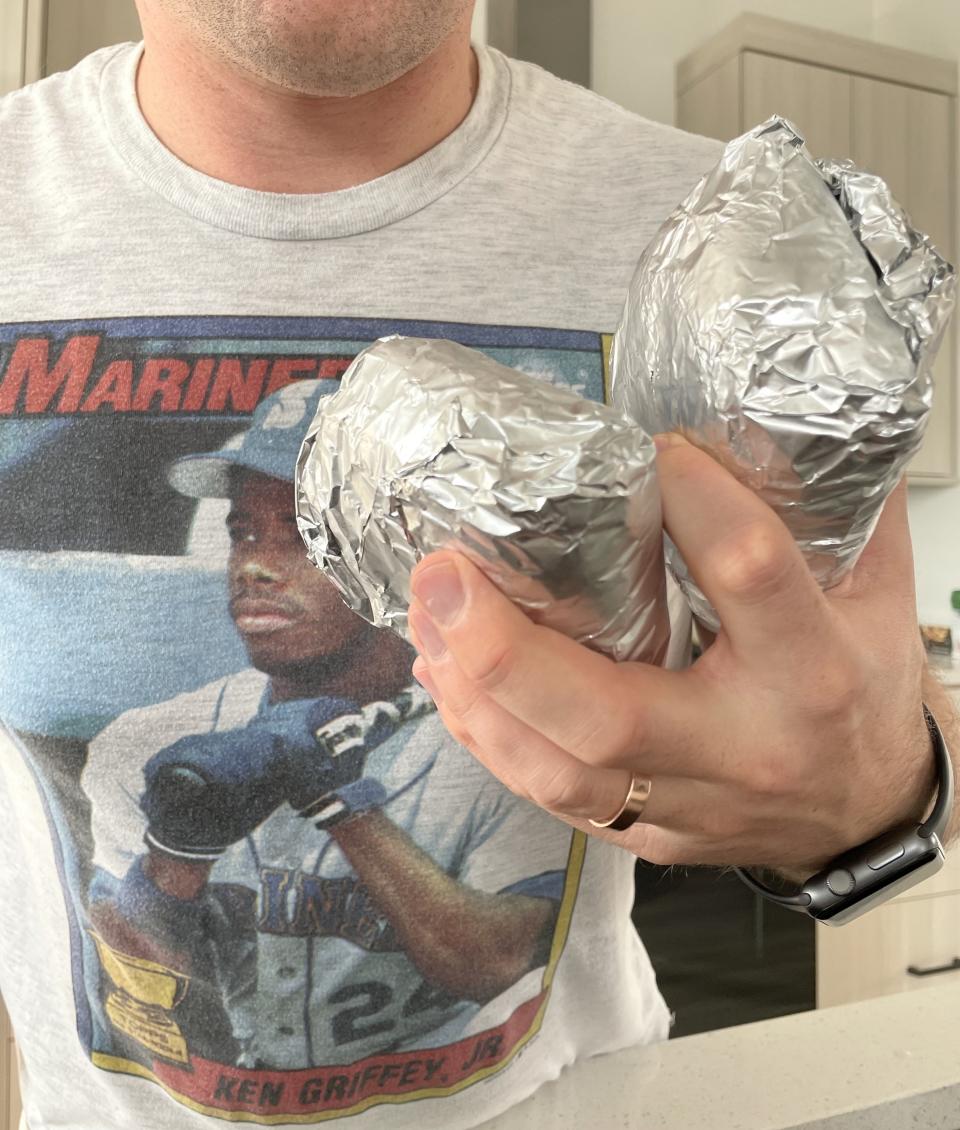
pixel 917 787
pixel 882 867
pixel 944 709
pixel 916 795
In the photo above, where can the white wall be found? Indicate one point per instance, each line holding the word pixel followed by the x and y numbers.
pixel 636 45
pixel 932 26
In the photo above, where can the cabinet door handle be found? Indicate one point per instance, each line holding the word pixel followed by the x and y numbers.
pixel 916 971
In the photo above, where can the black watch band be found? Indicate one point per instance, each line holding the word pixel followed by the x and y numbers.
pixel 878 870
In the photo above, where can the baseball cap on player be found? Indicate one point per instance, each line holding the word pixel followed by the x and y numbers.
pixel 270 445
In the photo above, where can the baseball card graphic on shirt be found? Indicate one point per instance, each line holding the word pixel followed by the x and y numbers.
pixel 291 895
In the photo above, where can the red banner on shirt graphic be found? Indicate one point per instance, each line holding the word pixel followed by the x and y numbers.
pixel 316 1090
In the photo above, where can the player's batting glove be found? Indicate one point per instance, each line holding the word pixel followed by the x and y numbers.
pixel 329 787
pixel 207 791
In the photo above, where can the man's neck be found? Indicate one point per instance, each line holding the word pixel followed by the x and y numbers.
pixel 231 126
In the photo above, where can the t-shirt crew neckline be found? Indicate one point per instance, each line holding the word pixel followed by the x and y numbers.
pixel 278 215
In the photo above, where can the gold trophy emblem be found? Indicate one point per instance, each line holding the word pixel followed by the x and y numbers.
pixel 140 1003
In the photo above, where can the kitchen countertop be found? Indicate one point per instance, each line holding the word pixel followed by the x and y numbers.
pixel 883 1064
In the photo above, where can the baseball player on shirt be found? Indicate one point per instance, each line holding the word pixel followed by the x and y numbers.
pixel 278 852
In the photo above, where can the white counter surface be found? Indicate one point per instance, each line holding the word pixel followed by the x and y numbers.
pixel 891 1063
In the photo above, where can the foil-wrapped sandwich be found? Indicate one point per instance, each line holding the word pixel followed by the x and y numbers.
pixel 785 319
pixel 428 445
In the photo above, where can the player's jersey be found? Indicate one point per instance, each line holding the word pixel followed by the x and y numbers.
pixel 321 973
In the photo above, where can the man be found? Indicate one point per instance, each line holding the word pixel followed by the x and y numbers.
pixel 266 188
pixel 284 857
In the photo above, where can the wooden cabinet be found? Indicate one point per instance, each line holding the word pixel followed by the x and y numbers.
pixel 815 99
pixel 907 135
pixel 892 111
pixel 906 944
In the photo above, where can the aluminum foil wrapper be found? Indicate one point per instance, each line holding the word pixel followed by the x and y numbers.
pixel 785 319
pixel 429 445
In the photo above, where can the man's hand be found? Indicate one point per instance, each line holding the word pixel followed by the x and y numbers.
pixel 798 734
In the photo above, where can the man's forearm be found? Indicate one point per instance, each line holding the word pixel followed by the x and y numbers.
pixel 474 945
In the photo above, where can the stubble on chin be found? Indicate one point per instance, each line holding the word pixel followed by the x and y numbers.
pixel 348 49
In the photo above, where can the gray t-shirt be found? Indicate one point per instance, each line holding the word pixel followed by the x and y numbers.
pixel 178 942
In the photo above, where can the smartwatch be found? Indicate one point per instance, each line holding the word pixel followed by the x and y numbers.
pixel 880 869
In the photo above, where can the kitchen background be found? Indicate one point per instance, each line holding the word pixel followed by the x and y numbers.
pixel 751 962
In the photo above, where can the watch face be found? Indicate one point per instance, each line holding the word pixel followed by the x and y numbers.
pixel 872 875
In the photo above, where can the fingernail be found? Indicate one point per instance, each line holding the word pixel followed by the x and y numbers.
pixel 668 439
pixel 440 591
pixel 426 637
pixel 422 675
